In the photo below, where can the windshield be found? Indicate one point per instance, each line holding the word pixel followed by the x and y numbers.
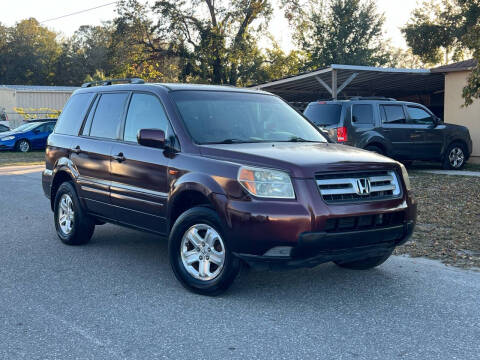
pixel 24 127
pixel 323 114
pixel 213 117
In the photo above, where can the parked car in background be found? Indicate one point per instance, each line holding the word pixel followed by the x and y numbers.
pixel 4 128
pixel 28 136
pixel 228 175
pixel 402 130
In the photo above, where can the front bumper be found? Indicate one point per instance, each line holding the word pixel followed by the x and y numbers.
pixel 315 248
pixel 7 145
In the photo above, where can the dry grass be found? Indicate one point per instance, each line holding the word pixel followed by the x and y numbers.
pixel 448 227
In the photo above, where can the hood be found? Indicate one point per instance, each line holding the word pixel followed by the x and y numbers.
pixel 7 133
pixel 301 160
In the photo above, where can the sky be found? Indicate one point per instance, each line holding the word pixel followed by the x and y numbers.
pixel 396 13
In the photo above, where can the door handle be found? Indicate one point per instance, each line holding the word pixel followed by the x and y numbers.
pixel 77 149
pixel 119 157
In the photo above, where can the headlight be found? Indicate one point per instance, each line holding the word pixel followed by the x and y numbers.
pixel 6 138
pixel 266 183
pixel 406 179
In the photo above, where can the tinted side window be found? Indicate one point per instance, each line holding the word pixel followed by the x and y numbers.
pixel 145 112
pixel 108 115
pixel 419 116
pixel 362 114
pixel 71 118
pixel 393 114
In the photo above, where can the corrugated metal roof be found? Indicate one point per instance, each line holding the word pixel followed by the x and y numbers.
pixel 40 88
pixel 458 66
pixel 361 80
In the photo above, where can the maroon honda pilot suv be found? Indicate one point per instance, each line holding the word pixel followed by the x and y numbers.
pixel 230 176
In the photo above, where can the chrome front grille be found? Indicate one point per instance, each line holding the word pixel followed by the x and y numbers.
pixel 360 186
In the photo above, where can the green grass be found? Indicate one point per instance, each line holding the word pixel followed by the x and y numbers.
pixel 8 158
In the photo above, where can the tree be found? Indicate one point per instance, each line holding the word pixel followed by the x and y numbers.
pixel 338 31
pixel 447 27
pixel 29 55
pixel 209 38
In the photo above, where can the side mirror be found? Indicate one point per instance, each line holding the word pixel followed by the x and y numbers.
pixel 152 138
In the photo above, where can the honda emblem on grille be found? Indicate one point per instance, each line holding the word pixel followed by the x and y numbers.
pixel 363 186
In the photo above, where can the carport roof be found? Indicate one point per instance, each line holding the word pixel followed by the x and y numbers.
pixel 353 80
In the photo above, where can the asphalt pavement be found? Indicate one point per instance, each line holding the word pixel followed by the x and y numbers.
pixel 116 298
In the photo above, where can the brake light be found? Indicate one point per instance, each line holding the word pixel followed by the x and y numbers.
pixel 342 134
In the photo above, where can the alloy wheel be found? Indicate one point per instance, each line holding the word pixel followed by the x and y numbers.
pixel 24 146
pixel 202 252
pixel 456 157
pixel 66 214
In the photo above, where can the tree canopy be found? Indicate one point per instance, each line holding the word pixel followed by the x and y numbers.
pixel 444 30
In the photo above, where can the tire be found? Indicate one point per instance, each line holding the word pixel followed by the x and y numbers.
pixel 365 264
pixel 23 146
pixel 454 157
pixel 202 225
pixel 78 230
pixel 375 149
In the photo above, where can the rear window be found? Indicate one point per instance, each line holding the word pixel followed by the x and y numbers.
pixel 323 114
pixel 392 114
pixel 362 114
pixel 71 118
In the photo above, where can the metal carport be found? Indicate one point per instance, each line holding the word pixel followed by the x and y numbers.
pixel 342 81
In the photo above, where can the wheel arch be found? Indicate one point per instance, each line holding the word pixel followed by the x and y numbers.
pixel 194 190
pixel 457 141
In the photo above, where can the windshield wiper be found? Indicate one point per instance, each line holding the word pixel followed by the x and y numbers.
pixel 298 139
pixel 228 141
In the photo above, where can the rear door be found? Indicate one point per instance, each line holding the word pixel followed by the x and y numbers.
pixel 395 128
pixel 91 151
pixel 139 187
pixel 424 123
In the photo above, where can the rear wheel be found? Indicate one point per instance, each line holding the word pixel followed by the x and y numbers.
pixel 454 157
pixel 375 149
pixel 73 225
pixel 365 264
pixel 199 253
pixel 23 146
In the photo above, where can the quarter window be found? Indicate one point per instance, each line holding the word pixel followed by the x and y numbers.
pixel 392 114
pixel 108 115
pixel 419 116
pixel 145 112
pixel 362 114
pixel 71 118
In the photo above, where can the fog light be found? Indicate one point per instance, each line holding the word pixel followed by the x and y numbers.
pixel 279 251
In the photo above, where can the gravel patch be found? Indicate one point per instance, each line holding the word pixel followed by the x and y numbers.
pixel 448 224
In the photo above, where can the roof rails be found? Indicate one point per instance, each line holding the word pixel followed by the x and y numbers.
pixel 111 81
pixel 371 98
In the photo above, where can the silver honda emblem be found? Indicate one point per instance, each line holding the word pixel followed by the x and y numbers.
pixel 363 186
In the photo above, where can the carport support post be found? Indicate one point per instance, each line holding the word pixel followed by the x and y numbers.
pixel 334 84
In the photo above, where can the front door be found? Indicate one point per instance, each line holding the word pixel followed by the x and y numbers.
pixel 139 187
pixel 403 137
pixel 40 135
pixel 432 136
pixel 91 151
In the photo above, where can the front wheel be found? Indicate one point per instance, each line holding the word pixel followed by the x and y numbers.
pixel 455 157
pixel 365 264
pixel 23 146
pixel 199 253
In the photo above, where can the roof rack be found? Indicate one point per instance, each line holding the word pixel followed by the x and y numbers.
pixel 372 98
pixel 111 81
